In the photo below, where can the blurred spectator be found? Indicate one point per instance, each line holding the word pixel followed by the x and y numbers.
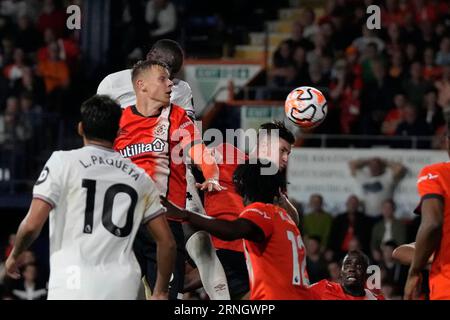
pixel 378 179
pixel 297 39
pixel 413 125
pixel 433 114
pixel 368 36
pixel 388 229
pixel 391 13
pixel 415 85
pixel 394 116
pixel 316 77
pixel 334 271
pixel 443 87
pixel 54 71
pixel 27 37
pixel 376 98
pixel 397 67
pixel 317 222
pixel 443 55
pixel 431 71
pixel 12 129
pixel 307 20
pixel 14 71
pixel 315 262
pixel 52 17
pixel 29 288
pixel 161 15
pixel 300 65
pixel 344 93
pixel 283 71
pixel 353 223
pixel 392 271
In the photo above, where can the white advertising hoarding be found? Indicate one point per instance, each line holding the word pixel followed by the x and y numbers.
pixel 326 171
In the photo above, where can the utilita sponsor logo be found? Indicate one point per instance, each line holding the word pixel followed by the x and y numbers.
pixel 133 150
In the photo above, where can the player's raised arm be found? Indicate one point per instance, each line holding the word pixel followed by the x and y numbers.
pixel 28 231
pixel 405 254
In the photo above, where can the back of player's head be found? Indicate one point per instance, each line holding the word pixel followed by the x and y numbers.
pixel 144 65
pixel 100 116
pixel 168 52
pixel 254 186
pixel 283 132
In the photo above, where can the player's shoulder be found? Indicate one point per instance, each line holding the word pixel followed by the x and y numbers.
pixel 113 77
pixel 433 171
pixel 260 208
pixel 181 86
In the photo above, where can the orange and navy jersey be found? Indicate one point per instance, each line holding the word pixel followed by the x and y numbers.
pixel 434 182
pixel 155 144
pixel 226 204
pixel 276 266
pixel 328 290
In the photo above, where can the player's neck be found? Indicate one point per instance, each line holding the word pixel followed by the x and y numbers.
pixel 100 143
pixel 148 107
pixel 354 291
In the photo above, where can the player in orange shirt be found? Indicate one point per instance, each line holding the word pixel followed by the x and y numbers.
pixel 272 242
pixel 157 136
pixel 228 204
pixel 433 235
pixel 353 280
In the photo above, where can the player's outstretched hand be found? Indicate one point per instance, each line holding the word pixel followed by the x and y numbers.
pixel 412 286
pixel 12 270
pixel 173 211
pixel 210 185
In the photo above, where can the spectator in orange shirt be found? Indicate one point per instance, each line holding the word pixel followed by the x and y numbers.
pixel 54 71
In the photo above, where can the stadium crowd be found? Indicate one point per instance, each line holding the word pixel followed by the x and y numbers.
pixel 393 82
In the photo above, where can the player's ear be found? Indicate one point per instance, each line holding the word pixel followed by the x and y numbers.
pixel 80 129
pixel 140 85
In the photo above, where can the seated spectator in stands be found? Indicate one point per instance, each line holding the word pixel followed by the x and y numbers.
pixel 410 30
pixel 394 39
pixel 316 77
pixel 368 57
pixel 68 48
pixel 27 37
pixel 388 229
pixel 315 262
pixel 52 17
pixel 317 222
pixel 307 20
pixel 431 71
pixel 368 36
pixel 394 116
pixel 297 38
pixel 415 85
pixel 345 89
pixel 443 55
pixel 14 71
pixel 376 99
pixel 443 87
pixel 411 54
pixel 300 65
pixel 29 287
pixel 283 71
pixel 432 112
pixel 54 71
pixel 32 84
pixel 378 179
pixel 397 67
pixel 411 126
pixel 320 50
pixel 161 16
pixel 334 271
pixel 350 224
pixel 392 271
pixel 391 14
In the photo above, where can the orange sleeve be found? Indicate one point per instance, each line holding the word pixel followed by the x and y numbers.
pixel 259 217
pixel 430 182
pixel 191 140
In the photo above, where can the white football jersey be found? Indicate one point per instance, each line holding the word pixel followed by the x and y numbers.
pixel 119 86
pixel 99 201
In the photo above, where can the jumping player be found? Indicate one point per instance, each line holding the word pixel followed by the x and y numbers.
pixel 272 242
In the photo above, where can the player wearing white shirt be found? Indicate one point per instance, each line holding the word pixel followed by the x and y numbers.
pixel 95 201
pixel 119 86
